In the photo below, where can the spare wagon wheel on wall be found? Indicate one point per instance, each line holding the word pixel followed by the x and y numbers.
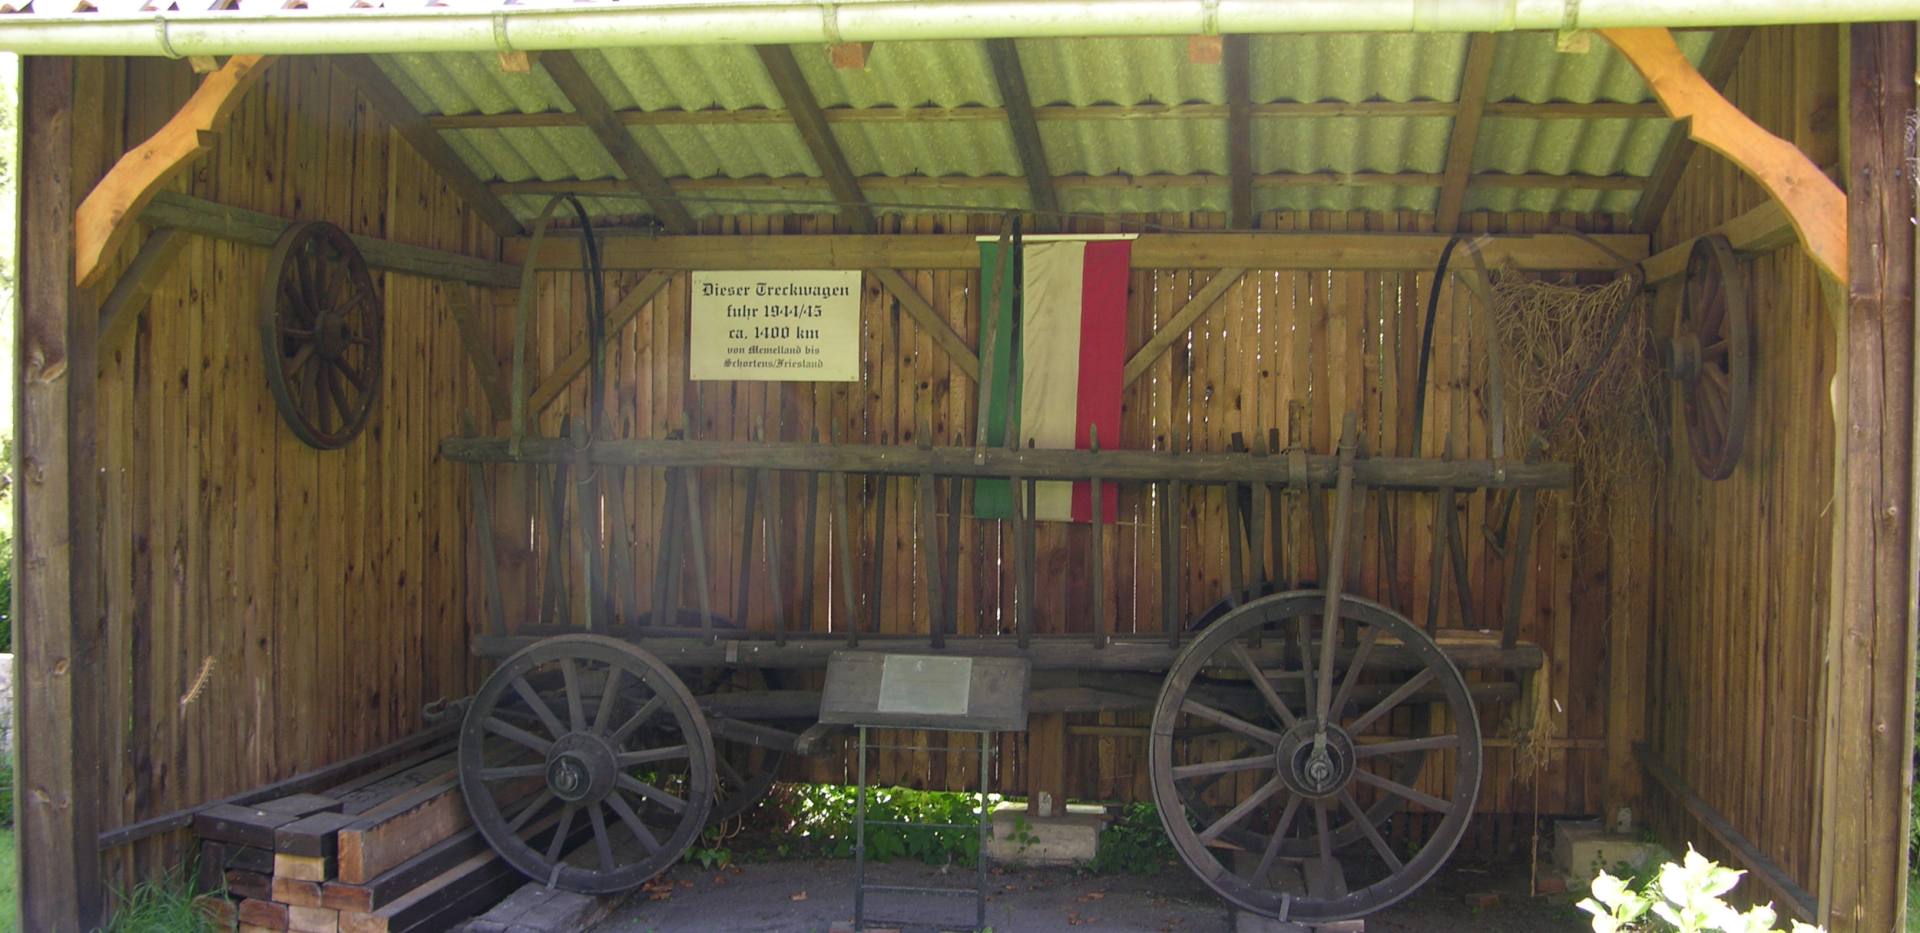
pixel 589 745
pixel 1711 356
pixel 1291 755
pixel 321 328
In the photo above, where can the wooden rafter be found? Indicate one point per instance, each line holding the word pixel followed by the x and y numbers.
pixel 105 219
pixel 1272 110
pixel 425 140
pixel 136 284
pixel 642 176
pixel 1815 204
pixel 1716 67
pixel 1466 130
pixel 1234 54
pixel 555 382
pixel 1012 80
pixel 1180 323
pixel 923 314
pixel 1086 182
pixel 473 337
pixel 812 123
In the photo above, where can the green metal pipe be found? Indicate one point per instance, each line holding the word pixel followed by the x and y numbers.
pixel 483 28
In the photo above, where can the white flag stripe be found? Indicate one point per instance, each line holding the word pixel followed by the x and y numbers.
pixel 1050 359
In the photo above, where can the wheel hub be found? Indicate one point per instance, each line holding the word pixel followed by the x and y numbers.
pixel 1311 766
pixel 330 336
pixel 581 768
pixel 1684 362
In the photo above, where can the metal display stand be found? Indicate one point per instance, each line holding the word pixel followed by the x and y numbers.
pixel 944 693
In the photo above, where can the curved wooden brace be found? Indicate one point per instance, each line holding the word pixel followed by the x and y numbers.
pixel 106 217
pixel 1816 206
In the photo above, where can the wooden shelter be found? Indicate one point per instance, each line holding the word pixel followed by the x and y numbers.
pixel 207 603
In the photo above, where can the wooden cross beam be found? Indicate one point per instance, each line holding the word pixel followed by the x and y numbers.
pixel 1813 202
pixel 1018 101
pixel 1716 67
pixel 642 175
pixel 425 140
pixel 812 123
pixel 1234 55
pixel 1466 131
pixel 105 219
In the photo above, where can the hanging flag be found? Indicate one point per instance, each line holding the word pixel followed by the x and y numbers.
pixel 1058 361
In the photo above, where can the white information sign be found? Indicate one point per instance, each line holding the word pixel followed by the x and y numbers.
pixel 776 326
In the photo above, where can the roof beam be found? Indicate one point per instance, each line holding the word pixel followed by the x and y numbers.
pixel 1272 110
pixel 642 176
pixel 425 140
pixel 1012 80
pixel 814 131
pixel 1716 66
pixel 1234 54
pixel 1466 130
pixel 607 186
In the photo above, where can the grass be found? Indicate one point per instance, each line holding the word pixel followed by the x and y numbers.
pixel 1913 900
pixel 8 876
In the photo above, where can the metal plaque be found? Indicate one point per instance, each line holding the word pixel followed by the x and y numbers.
pixel 926 691
pixel 918 683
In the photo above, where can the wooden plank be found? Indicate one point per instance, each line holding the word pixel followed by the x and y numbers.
pixel 426 141
pixel 395 882
pixel 136 284
pixel 642 175
pixel 911 301
pixel 308 868
pixel 1235 58
pixel 479 346
pixel 312 919
pixel 1798 901
pixel 1763 229
pixel 224 222
pixel 1113 181
pixel 1177 326
pixel 263 913
pixel 791 82
pixel 555 382
pixel 1472 100
pixel 106 217
pixel 247 826
pixel 314 835
pixel 1404 252
pixel 1868 732
pixel 379 842
pixel 55 533
pixel 294 892
pixel 1678 150
pixel 1813 202
pixel 1004 58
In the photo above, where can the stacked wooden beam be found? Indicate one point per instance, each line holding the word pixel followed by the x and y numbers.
pixel 388 852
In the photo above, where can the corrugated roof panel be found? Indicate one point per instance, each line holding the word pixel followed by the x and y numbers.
pixel 1527 67
pixel 1082 72
pixel 1143 199
pixel 1356 67
pixel 1135 147
pixel 1550 200
pixel 728 77
pixel 1344 198
pixel 904 74
pixel 969 148
pixel 546 153
pixel 1570 147
pixel 1351 144
pixel 731 151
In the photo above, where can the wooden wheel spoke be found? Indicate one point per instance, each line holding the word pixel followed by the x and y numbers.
pixel 640 832
pixel 558 845
pixel 1232 817
pixel 507 730
pixel 1230 721
pixel 638 719
pixel 540 707
pixel 731 773
pixel 1405 746
pixel 299 359
pixel 1391 700
pixel 628 782
pixel 1261 683
pixel 530 810
pixel 604 714
pixel 1324 836
pixel 516 771
pixel 339 395
pixel 1401 790
pixel 1188 772
pixel 1366 826
pixel 1358 664
pixel 353 375
pixel 666 753
pixel 601 842
pixel 1280 827
pixel 576 713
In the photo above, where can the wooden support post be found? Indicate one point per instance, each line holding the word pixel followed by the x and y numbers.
pixel 1178 325
pixel 1098 560
pixel 1716 67
pixel 473 337
pixel 1018 101
pixel 808 118
pixel 1046 765
pixel 1868 721
pixel 917 307
pixel 1472 103
pixel 57 615
pixel 137 283
pixel 642 176
pixel 1235 55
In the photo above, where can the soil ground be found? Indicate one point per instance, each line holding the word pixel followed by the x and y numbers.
pixel 810 896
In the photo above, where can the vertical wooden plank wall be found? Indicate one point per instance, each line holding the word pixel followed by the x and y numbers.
pixel 1318 341
pixel 1740 601
pixel 321 594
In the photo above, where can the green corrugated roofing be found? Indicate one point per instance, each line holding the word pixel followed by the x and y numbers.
pixel 1069 73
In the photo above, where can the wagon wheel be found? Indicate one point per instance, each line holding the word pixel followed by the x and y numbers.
pixel 1712 356
pixel 745 772
pixel 1297 795
pixel 320 334
pixel 586 728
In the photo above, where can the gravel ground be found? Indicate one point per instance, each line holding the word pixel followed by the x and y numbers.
pixel 810 896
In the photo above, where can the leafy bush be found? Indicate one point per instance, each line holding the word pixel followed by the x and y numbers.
pixel 6 794
pixel 1135 843
pixel 820 818
pixel 162 905
pixel 1686 898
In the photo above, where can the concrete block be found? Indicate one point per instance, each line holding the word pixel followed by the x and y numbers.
pixel 1583 848
pixel 1020 839
pixel 1244 922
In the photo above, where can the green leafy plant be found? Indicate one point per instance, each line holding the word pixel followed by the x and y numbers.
pixel 1134 843
pixel 160 905
pixel 820 818
pixel 1684 898
pixel 1023 833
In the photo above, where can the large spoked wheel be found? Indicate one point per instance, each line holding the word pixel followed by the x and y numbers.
pixel 745 770
pixel 586 764
pixel 321 328
pixel 1270 765
pixel 1712 356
